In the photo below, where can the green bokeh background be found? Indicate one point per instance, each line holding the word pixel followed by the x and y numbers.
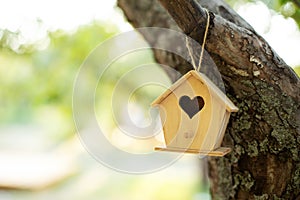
pixel 36 91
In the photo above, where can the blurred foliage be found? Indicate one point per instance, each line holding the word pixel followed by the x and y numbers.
pixel 288 8
pixel 36 86
pixel 297 70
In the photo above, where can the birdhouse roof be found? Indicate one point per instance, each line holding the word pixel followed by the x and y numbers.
pixel 204 79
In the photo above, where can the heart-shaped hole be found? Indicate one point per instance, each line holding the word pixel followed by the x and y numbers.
pixel 191 106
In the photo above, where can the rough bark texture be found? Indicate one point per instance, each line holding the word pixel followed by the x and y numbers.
pixel 265 133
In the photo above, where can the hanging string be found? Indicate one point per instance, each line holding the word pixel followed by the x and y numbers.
pixel 197 68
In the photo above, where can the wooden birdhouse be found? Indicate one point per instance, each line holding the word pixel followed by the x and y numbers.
pixel 194 115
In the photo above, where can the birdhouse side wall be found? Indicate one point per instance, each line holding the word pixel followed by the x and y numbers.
pixel 223 129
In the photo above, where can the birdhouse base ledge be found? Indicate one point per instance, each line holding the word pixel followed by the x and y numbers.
pixel 219 152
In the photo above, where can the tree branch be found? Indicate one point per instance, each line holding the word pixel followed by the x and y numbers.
pixel 297 2
pixel 193 14
pixel 221 8
pixel 238 44
pixel 264 134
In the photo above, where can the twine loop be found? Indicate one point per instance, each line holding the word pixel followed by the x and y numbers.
pixel 197 68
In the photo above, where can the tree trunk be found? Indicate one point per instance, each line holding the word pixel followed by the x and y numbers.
pixel 265 133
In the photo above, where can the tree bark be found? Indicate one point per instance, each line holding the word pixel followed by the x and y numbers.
pixel 265 133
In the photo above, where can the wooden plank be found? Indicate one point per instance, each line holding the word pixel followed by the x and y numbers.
pixel 219 152
pixel 222 129
pixel 212 135
pixel 171 89
pixel 216 91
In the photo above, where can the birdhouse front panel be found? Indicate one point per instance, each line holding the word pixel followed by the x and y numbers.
pixel 215 126
pixel 186 114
